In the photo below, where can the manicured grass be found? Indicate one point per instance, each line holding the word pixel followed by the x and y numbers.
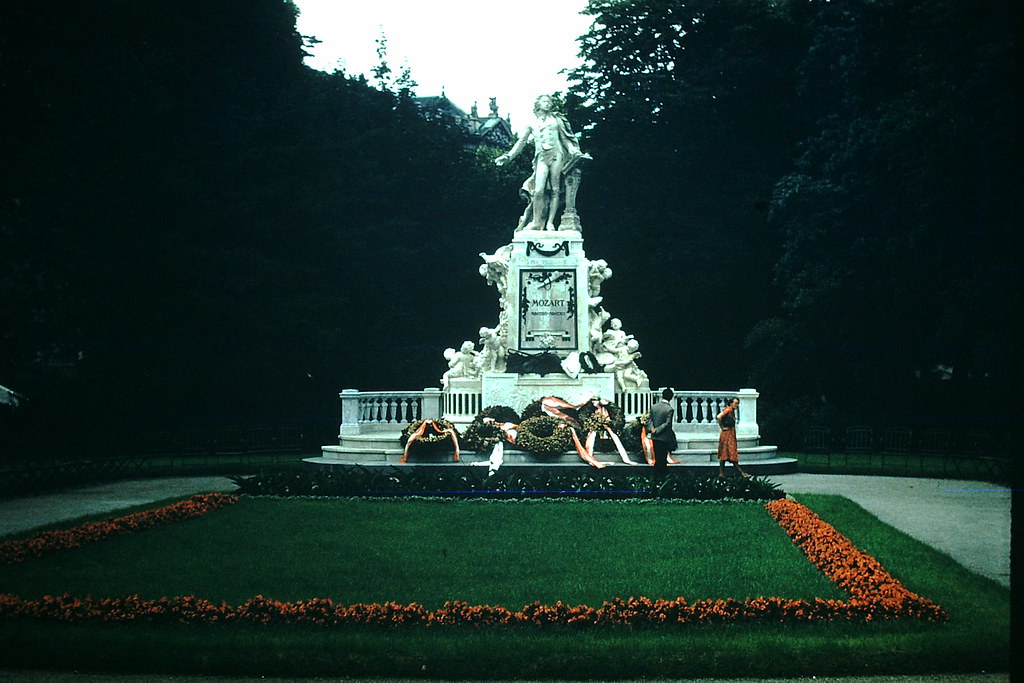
pixel 237 546
pixel 430 551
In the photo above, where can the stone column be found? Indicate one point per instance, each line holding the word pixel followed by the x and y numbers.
pixel 570 219
pixel 431 408
pixel 349 411
pixel 748 406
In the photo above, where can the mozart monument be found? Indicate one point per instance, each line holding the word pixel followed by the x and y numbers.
pixel 553 336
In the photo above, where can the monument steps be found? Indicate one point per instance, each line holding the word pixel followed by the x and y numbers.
pixel 688 443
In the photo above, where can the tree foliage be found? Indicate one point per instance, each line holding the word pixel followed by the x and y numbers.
pixel 897 218
pixel 828 183
pixel 197 228
pixel 690 125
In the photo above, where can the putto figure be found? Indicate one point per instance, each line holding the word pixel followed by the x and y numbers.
pixel 461 363
pixel 556 152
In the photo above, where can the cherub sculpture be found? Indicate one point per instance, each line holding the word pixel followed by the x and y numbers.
pixel 461 363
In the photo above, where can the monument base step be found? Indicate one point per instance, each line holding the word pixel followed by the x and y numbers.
pixel 391 453
pixel 761 461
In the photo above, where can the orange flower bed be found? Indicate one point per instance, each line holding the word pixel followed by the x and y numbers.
pixel 12 552
pixel 874 594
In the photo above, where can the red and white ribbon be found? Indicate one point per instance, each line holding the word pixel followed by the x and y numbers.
pixel 647 446
pixel 586 452
pixel 419 433
pixel 553 406
pixel 497 457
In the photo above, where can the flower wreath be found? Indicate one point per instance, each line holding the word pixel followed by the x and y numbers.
pixel 498 414
pixel 429 433
pixel 544 435
pixel 600 421
pixel 480 436
pixel 612 416
pixel 631 433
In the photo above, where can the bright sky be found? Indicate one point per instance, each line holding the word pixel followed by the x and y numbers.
pixel 473 49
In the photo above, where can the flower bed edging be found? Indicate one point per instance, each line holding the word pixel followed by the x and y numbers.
pixel 874 593
pixel 13 552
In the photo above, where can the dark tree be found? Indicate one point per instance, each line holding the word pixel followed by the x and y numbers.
pixel 897 222
pixel 197 229
pixel 692 113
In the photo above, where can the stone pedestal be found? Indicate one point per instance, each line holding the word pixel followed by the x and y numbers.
pixel 547 293
pixel 518 391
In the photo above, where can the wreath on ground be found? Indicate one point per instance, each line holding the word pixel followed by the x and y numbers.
pixel 631 433
pixel 536 409
pixel 481 436
pixel 498 414
pixel 544 435
pixel 594 420
pixel 430 439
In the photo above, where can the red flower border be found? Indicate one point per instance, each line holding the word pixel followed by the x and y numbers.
pixel 874 593
pixel 13 552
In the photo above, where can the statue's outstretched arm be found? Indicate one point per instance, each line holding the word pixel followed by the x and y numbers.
pixel 516 148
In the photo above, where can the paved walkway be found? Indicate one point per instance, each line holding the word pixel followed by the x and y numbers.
pixel 23 514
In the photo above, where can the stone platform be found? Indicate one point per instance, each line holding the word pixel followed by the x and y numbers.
pixel 757 460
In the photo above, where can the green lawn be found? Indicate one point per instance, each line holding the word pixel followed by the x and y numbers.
pixel 507 553
pixel 430 551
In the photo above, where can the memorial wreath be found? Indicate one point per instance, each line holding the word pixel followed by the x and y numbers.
pixel 544 435
pixel 430 434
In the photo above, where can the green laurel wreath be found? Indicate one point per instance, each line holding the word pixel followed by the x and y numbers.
pixel 544 435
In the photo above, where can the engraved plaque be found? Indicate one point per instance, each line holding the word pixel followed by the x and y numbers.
pixel 547 309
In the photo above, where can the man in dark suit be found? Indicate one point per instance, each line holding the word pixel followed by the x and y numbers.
pixel 659 426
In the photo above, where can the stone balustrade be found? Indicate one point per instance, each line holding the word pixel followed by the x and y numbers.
pixel 363 411
pixel 367 409
pixel 372 420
